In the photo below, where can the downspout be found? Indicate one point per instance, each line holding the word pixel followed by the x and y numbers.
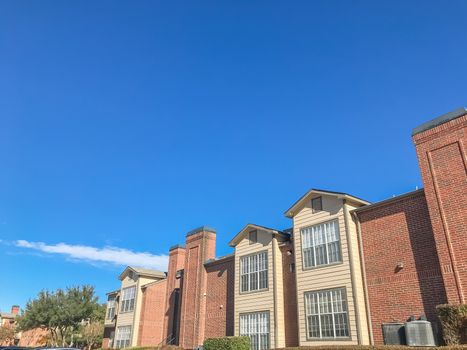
pixel 352 272
pixel 276 324
pixel 365 284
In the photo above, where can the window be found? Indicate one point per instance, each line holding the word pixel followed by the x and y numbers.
pixel 316 205
pixel 292 267
pixel 253 236
pixel 123 337
pixel 326 314
pixel 254 272
pixel 256 326
pixel 110 308
pixel 128 299
pixel 320 244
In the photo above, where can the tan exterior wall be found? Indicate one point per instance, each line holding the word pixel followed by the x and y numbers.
pixel 330 276
pixel 359 295
pixel 262 300
pixel 128 318
pixel 132 318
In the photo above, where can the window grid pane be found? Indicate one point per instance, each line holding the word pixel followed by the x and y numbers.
pixel 123 337
pixel 326 314
pixel 320 244
pixel 254 272
pixel 128 299
pixel 256 326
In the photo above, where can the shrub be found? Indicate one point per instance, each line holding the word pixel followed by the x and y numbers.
pixel 227 343
pixel 454 322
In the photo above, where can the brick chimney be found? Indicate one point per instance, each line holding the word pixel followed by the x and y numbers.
pixel 174 285
pixel 15 310
pixel 200 246
pixel 441 146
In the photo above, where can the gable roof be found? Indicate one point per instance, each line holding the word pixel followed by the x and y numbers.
pixel 142 272
pixel 314 191
pixel 239 236
pixel 7 315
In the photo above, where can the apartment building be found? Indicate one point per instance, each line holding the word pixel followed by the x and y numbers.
pixel 344 268
pixel 126 306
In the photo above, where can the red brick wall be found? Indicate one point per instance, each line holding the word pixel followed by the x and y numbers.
pixel 200 247
pixel 220 298
pixel 107 335
pixel 176 263
pixel 290 297
pixel 400 232
pixel 442 157
pixel 151 327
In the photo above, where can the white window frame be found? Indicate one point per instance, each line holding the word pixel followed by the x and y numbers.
pixel 254 272
pixel 321 244
pixel 111 308
pixel 256 326
pixel 127 299
pixel 327 315
pixel 123 337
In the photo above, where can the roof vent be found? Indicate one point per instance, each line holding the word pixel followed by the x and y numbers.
pixel 419 333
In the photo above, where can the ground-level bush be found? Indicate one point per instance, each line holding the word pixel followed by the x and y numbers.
pixel 454 323
pixel 227 343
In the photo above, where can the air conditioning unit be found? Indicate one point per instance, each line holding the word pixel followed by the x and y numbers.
pixel 419 333
pixel 394 334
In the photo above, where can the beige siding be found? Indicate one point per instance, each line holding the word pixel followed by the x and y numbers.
pixel 358 273
pixel 278 279
pixel 261 300
pixel 132 318
pixel 127 318
pixel 325 277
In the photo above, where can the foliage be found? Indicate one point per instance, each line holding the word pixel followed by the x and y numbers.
pixel 91 334
pixel 454 322
pixel 227 343
pixel 7 334
pixel 61 312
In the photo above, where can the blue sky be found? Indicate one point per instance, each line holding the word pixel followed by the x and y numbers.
pixel 124 124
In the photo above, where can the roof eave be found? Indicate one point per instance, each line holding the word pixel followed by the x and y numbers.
pixel 290 213
pixel 239 236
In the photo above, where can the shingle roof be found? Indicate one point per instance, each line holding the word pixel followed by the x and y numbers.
pixel 143 272
pixel 239 236
pixel 290 212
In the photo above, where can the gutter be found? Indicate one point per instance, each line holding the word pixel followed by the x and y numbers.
pixel 352 272
pixel 365 284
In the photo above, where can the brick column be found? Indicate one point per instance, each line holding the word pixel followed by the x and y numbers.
pixel 441 150
pixel 172 306
pixel 200 247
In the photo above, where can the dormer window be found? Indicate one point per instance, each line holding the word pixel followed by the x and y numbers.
pixel 253 237
pixel 316 205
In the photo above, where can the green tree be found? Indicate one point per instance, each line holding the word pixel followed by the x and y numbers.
pixel 62 312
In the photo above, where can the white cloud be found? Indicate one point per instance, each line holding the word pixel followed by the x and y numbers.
pixel 108 254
